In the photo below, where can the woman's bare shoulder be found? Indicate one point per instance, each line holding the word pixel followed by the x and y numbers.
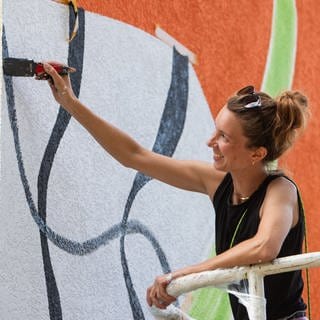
pixel 211 177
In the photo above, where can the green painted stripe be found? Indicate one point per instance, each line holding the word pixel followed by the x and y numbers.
pixel 210 303
pixel 279 71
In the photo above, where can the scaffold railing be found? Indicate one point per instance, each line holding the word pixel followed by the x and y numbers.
pixel 221 278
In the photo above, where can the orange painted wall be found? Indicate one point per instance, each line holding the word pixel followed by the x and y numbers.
pixel 216 31
pixel 231 39
pixel 304 159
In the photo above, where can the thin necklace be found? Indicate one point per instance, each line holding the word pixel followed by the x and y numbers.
pixel 242 199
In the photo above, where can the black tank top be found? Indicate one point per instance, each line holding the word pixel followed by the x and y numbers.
pixel 282 291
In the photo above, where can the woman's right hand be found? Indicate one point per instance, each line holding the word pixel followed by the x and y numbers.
pixel 60 85
pixel 157 293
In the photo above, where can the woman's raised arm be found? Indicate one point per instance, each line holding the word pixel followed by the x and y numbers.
pixel 189 175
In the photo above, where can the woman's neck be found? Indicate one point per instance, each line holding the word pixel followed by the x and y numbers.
pixel 246 183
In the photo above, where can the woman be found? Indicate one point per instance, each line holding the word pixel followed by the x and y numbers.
pixel 259 215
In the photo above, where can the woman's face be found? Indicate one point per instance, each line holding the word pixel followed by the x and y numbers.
pixel 229 144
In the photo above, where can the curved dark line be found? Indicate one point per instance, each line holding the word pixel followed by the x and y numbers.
pixel 135 226
pixel 168 136
pixel 75 59
pixel 171 123
pixel 63 243
pixel 174 114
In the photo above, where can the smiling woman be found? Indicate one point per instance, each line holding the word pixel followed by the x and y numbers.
pixel 257 204
pixel 259 215
pixel 228 143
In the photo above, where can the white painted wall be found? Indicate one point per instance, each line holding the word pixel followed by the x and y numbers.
pixel 126 78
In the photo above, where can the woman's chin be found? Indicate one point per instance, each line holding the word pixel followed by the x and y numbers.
pixel 218 165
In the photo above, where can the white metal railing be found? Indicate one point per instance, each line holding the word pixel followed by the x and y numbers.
pixel 222 277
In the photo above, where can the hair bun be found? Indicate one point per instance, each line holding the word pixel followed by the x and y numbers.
pixel 292 110
pixel 291 118
pixel 295 97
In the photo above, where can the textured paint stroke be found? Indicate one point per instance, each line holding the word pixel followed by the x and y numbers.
pixel 75 58
pixel 279 71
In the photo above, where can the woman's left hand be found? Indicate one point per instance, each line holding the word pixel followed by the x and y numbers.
pixel 157 294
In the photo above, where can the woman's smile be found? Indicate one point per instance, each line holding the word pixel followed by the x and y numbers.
pixel 217 156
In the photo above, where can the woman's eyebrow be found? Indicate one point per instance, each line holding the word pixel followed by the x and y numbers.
pixel 225 133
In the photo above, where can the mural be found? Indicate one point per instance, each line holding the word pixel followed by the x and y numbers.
pixel 105 231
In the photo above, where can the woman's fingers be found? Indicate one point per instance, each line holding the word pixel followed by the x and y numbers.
pixel 57 79
pixel 60 85
pixel 149 299
pixel 163 296
pixel 157 295
pixel 152 298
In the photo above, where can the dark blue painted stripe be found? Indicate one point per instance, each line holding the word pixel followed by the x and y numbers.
pixel 75 59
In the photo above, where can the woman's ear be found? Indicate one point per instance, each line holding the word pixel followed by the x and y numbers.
pixel 259 154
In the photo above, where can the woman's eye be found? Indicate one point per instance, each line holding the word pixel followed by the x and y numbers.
pixel 224 137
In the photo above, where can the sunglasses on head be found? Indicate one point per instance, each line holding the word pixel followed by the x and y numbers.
pixel 250 98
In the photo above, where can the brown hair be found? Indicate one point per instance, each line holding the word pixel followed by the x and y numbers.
pixel 272 123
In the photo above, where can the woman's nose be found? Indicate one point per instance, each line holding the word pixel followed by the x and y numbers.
pixel 211 141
